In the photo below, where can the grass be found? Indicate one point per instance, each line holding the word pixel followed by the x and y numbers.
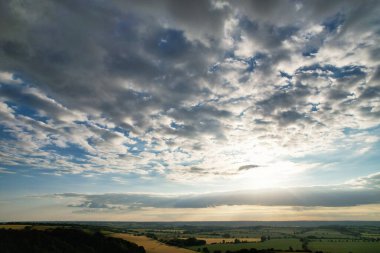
pixel 277 244
pixel 325 233
pixel 150 245
pixel 345 247
pixel 369 235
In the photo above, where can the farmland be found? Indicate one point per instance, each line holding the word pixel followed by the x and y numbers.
pixel 222 237
pixel 345 247
pixel 150 245
pixel 277 244
pixel 329 238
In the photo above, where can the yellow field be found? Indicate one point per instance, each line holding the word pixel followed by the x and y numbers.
pixel 210 240
pixel 17 227
pixel 150 245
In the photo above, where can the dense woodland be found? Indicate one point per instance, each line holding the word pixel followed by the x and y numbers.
pixel 62 240
pixel 185 242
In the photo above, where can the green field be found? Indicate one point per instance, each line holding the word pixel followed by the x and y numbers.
pixel 369 235
pixel 345 247
pixel 278 244
pixel 325 233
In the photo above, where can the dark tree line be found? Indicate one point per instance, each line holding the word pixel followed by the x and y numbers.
pixel 62 240
pixel 185 242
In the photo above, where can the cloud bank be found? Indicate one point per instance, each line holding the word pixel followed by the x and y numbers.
pixel 363 191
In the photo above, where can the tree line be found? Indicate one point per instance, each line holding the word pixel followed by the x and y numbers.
pixel 62 240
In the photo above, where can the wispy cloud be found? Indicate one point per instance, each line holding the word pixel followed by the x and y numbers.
pixel 5 171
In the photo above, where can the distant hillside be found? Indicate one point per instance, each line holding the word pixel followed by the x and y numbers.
pixel 62 240
pixel 227 224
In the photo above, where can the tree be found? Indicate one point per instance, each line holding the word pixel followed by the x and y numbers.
pixel 63 240
pixel 205 250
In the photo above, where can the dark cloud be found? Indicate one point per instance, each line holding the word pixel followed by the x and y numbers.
pixel 339 94
pixel 363 191
pixel 270 36
pixel 370 92
pixel 328 70
pixel 173 75
pixel 197 170
pixel 248 167
pixel 289 117
pixel 34 100
pixel 197 119
pixel 284 99
pixel 108 44
pixel 371 181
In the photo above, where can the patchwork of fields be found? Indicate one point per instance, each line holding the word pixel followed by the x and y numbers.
pixel 285 244
pixel 150 245
pixel 345 247
pixel 277 244
pixel 328 239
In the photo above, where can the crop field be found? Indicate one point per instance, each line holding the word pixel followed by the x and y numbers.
pixel 277 244
pixel 150 245
pixel 332 238
pixel 345 247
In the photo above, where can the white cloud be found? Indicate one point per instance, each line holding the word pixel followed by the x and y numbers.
pixel 136 93
pixel 8 78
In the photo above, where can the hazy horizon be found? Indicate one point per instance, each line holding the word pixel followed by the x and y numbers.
pixel 189 110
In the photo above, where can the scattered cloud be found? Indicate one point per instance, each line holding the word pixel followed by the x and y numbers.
pixel 126 87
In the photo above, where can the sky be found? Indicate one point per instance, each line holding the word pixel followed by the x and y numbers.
pixel 189 110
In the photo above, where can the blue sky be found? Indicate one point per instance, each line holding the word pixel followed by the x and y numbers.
pixel 168 110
